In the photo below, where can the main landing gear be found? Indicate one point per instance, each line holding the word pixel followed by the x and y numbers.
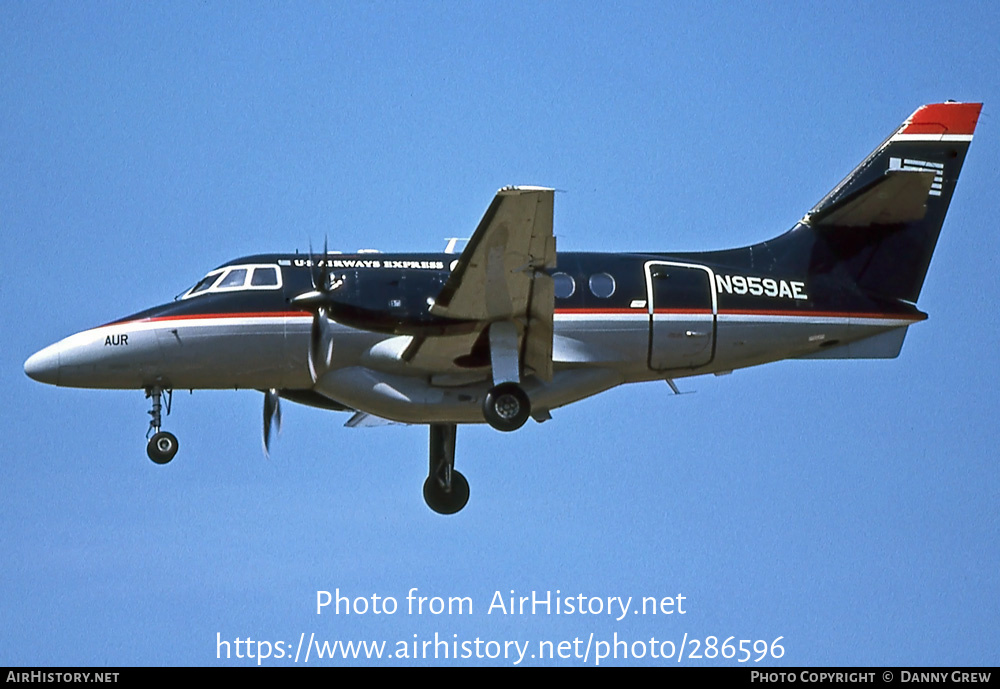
pixel 446 491
pixel 162 447
pixel 506 407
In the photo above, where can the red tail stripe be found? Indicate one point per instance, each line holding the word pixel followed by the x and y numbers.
pixel 944 118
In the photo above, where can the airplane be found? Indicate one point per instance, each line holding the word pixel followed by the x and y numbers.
pixel 508 329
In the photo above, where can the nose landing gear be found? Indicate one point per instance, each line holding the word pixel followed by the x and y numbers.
pixel 162 447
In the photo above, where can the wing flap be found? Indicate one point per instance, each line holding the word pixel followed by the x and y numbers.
pixel 539 334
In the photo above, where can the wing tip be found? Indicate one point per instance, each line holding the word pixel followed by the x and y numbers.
pixel 513 189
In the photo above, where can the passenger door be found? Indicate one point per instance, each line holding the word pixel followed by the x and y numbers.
pixel 682 315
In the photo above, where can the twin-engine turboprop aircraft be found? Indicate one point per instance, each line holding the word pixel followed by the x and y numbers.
pixel 509 329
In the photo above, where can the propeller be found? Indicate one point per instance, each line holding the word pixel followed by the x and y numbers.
pixel 272 417
pixel 320 340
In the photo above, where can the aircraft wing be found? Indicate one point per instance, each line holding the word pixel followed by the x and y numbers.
pixel 500 276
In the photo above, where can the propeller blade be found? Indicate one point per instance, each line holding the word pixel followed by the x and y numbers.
pixel 320 344
pixel 328 354
pixel 272 417
pixel 313 267
pixel 324 285
pixel 319 269
pixel 315 338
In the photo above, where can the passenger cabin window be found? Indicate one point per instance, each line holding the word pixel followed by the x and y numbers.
pixel 565 285
pixel 236 279
pixel 602 285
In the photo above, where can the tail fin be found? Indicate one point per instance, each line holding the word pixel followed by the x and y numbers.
pixel 882 222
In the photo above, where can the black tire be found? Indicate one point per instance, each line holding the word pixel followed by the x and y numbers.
pixel 444 502
pixel 162 447
pixel 506 407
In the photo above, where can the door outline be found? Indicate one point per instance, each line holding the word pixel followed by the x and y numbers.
pixel 651 309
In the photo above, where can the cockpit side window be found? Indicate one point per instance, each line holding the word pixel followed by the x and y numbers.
pixel 238 278
pixel 264 276
pixel 234 279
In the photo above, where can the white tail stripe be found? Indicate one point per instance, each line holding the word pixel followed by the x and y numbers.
pixel 931 137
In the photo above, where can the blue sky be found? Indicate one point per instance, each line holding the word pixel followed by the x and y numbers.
pixel 849 507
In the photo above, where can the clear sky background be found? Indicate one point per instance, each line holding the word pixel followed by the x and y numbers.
pixel 849 507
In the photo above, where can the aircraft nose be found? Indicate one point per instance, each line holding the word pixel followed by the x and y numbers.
pixel 43 366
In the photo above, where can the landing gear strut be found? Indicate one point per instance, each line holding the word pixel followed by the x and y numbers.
pixel 446 491
pixel 162 447
pixel 506 406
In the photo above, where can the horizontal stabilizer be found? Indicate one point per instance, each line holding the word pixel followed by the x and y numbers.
pixel 898 196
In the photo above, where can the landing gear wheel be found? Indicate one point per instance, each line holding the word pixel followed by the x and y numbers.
pixel 443 501
pixel 506 407
pixel 162 447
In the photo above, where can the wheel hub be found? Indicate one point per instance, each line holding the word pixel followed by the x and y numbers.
pixel 508 407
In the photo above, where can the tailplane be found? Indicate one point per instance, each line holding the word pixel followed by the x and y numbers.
pixel 882 222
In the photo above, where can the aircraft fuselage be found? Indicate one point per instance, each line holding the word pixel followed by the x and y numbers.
pixel 634 317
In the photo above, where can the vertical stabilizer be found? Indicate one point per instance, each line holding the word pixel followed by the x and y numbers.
pixel 882 222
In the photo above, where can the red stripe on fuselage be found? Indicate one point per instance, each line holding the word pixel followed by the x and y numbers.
pixel 580 312
pixel 203 316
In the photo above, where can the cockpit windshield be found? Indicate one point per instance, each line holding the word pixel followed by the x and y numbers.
pixel 237 278
pixel 205 283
